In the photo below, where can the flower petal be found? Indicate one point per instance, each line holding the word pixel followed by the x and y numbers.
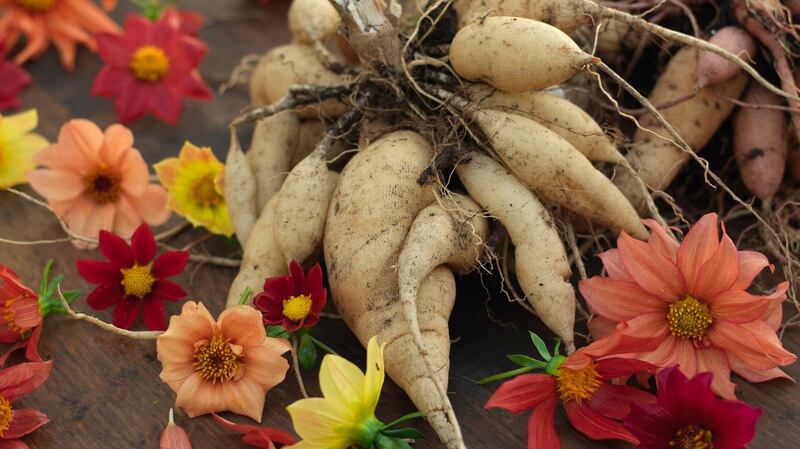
pixel 735 424
pixel 595 426
pixel 718 273
pixel 341 382
pixel 661 241
pixel 610 368
pixel 116 250
pixel 99 272
pixel 738 306
pixel 23 378
pixel 755 343
pixel 614 401
pixel 26 313
pixel 651 424
pixel 523 392
pixel 612 262
pixel 57 185
pixel 752 375
pixel 154 314
pixel 23 422
pixel 751 263
pixel 170 263
pixel 126 312
pixel 542 427
pixel 143 244
pixel 697 248
pixel 105 296
pixel 152 205
pixel 712 360
pixel 242 325
pixel 655 273
pixel 619 300
pixel 375 374
pixel 317 420
pixel 168 290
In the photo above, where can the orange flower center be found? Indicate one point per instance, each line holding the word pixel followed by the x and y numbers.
pixel 36 5
pixel 6 414
pixel 149 63
pixel 296 308
pixel 216 360
pixel 692 437
pixel 137 280
pixel 577 385
pixel 689 318
pixel 206 191
pixel 103 186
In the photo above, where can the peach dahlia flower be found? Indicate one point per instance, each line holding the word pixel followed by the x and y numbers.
pixel 686 304
pixel 224 365
pixel 98 181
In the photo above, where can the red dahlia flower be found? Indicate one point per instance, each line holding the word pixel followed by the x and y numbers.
pixel 189 22
pixel 256 436
pixel 150 68
pixel 594 405
pixel 132 280
pixel 686 304
pixel 687 415
pixel 19 307
pixel 17 381
pixel 12 80
pixel 294 301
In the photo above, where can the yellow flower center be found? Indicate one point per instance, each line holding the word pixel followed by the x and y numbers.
pixel 103 186
pixel 36 5
pixel 296 308
pixel 149 63
pixel 577 385
pixel 6 414
pixel 206 191
pixel 689 318
pixel 137 280
pixel 692 437
pixel 216 360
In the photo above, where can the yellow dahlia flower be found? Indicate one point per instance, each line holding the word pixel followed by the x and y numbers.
pixel 345 416
pixel 18 145
pixel 194 181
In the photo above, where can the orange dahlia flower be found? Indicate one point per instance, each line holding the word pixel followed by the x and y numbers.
pixel 66 23
pixel 98 181
pixel 686 304
pixel 224 365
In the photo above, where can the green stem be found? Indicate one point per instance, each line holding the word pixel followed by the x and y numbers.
pixel 48 268
pixel 322 345
pixel 506 375
pixel 403 419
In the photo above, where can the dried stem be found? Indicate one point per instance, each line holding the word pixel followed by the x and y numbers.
pixel 296 365
pixel 135 335
pixel 298 95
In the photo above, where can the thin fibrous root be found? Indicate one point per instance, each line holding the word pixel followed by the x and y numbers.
pixel 298 95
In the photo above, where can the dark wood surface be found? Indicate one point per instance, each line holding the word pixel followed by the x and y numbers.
pixel 104 391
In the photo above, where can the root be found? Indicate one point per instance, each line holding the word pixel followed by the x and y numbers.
pixel 240 73
pixel 298 95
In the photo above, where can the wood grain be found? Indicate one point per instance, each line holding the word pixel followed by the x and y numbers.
pixel 104 391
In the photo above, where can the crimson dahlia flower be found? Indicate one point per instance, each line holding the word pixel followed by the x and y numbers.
pixel 294 301
pixel 687 415
pixel 150 68
pixel 131 280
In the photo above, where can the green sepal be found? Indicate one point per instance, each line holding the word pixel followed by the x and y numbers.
pixel 541 346
pixel 277 332
pixel 384 442
pixel 554 364
pixel 404 418
pixel 406 433
pixel 307 353
pixel 524 360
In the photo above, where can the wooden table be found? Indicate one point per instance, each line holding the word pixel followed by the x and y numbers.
pixel 104 391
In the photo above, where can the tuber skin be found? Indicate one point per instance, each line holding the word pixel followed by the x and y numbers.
pixel 262 257
pixel 240 190
pixel 274 141
pixel 555 170
pixel 453 235
pixel 713 69
pixel 302 207
pixel 515 55
pixel 374 205
pixel 562 14
pixel 312 20
pixel 657 160
pixel 541 261
pixel 294 64
pixel 761 142
pixel 557 114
